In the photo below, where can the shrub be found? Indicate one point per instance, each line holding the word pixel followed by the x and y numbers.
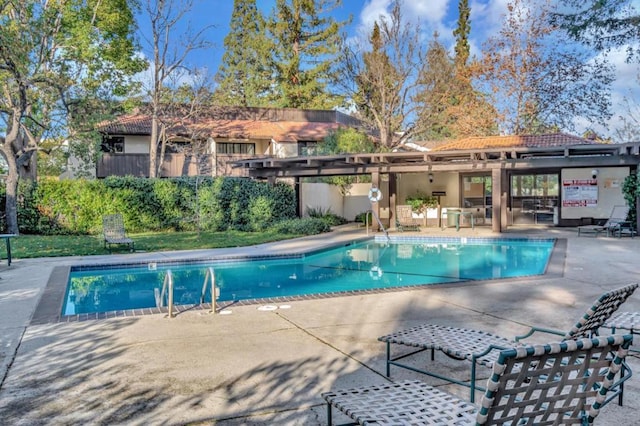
pixel 306 226
pixel 326 215
pixel 76 206
pixel 364 216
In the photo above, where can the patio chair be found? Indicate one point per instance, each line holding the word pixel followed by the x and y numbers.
pixel 556 383
pixel 616 219
pixel 114 233
pixel 405 220
pixel 482 348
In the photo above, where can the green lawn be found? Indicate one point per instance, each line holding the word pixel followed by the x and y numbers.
pixel 28 246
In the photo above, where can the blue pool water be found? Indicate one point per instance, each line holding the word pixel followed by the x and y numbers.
pixel 357 266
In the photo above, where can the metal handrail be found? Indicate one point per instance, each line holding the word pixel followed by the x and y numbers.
pixel 375 215
pixel 214 289
pixel 167 289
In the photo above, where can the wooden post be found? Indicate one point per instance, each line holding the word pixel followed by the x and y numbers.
pixel 393 189
pixel 497 193
pixel 375 182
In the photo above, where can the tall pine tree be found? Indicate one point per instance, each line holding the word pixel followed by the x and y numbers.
pixel 306 42
pixel 461 33
pixel 439 91
pixel 244 76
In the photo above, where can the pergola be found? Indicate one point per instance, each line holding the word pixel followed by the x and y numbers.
pixel 496 160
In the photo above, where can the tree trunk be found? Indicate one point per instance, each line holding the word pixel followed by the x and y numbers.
pixel 153 147
pixel 29 168
pixel 11 182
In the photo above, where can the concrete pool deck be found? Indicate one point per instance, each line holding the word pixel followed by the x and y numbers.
pixel 269 367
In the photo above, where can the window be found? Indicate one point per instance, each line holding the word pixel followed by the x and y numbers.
pixel 235 148
pixel 112 144
pixel 307 148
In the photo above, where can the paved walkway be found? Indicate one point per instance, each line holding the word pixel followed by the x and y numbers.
pixel 269 367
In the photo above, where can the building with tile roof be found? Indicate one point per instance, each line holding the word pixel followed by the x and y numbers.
pixel 209 144
pixel 501 181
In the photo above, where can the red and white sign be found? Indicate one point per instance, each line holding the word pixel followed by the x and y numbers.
pixel 579 192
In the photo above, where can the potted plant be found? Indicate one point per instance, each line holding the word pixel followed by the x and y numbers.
pixel 420 203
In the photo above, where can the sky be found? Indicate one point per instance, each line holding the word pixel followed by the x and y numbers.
pixel 433 15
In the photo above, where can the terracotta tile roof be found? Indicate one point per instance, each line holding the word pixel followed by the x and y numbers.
pixel 524 141
pixel 133 124
pixel 281 131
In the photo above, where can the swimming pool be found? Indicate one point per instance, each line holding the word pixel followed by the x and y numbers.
pixel 358 266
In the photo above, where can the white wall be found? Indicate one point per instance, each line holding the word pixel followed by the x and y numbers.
pixel 324 196
pixel 356 201
pixel 410 184
pixel 136 144
pixel 321 196
pixel 610 180
pixel 286 149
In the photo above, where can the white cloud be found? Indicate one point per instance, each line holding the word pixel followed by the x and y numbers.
pixel 625 91
pixel 486 17
pixel 433 11
pixel 431 15
pixel 372 11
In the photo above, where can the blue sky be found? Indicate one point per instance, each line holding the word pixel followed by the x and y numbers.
pixel 433 15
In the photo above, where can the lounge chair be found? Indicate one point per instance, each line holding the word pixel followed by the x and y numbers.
pixel 482 348
pixel 617 218
pixel 557 383
pixel 405 220
pixel 629 321
pixel 114 233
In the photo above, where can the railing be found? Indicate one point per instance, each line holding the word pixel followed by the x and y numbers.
pixel 167 291
pixel 375 215
pixel 210 277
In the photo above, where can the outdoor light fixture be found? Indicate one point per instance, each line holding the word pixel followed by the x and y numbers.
pixel 594 173
pixel 431 177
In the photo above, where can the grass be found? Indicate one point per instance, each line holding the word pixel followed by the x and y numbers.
pixel 30 246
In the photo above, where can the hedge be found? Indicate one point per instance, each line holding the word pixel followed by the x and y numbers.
pixel 188 203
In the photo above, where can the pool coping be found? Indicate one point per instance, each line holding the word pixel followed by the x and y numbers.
pixel 49 307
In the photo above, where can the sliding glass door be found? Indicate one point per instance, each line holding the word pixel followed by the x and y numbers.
pixel 534 198
pixel 476 196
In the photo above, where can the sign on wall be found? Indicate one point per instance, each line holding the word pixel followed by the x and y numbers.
pixel 579 192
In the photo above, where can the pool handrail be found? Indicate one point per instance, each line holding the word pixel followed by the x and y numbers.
pixel 214 289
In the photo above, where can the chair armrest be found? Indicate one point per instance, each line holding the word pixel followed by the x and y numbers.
pixel 542 330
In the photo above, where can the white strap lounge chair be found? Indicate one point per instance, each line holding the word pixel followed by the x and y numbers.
pixel 557 383
pixel 618 216
pixel 114 232
pixel 482 348
pixel 405 220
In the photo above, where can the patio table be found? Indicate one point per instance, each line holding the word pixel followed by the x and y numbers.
pixel 456 214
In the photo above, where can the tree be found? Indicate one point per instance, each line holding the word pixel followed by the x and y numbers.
pixel 450 106
pixel 169 56
pixel 244 77
pixel 57 59
pixel 603 24
pixel 306 42
pixel 346 141
pixel 439 87
pixel 382 82
pixel 538 81
pixel 461 33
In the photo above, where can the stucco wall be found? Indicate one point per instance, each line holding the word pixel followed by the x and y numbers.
pixel 324 196
pixel 609 180
pixel 411 184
